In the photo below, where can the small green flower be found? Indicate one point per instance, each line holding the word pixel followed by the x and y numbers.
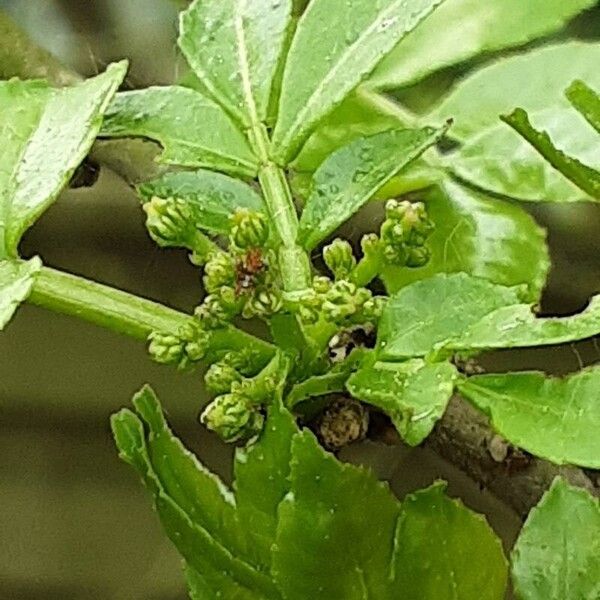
pixel 250 229
pixel 169 221
pixel 233 417
pixel 220 377
pixel 263 303
pixel 219 271
pixel 339 258
pixel 214 312
pixel 165 348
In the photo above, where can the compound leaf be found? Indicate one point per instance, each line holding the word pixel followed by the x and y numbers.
pixel 328 58
pixel 554 418
pixel 414 394
pixel 479 235
pixel 211 197
pixel 352 174
pixel 46 133
pixel 234 47
pixel 16 280
pixel 444 550
pixel 191 128
pixel 557 554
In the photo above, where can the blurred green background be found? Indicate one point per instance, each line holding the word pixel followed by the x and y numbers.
pixel 74 522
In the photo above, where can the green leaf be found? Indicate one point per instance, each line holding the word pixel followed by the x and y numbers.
pixel 557 554
pixel 212 197
pixel 191 128
pixel 16 280
pixel 234 47
pixel 436 310
pixel 479 235
pixel 445 551
pixel 557 419
pixel 500 161
pixel 414 394
pixel 463 29
pixel 336 528
pixel 46 133
pixel 350 177
pixel 586 101
pixel 518 327
pixel 534 80
pixel 328 58
pixel 584 177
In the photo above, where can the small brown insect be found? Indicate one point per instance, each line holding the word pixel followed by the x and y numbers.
pixel 246 270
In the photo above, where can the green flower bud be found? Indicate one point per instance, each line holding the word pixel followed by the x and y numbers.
pixel 372 309
pixel 339 258
pixel 243 361
pixel 418 257
pixel 233 418
pixel 321 285
pixel 219 271
pixel 369 244
pixel 213 313
pixel 165 348
pixel 339 301
pixel 220 377
pixel 195 342
pixel 168 221
pixel 250 229
pixel 263 303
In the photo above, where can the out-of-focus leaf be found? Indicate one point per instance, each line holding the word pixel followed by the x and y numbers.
pixel 351 175
pixel 557 554
pixel 463 29
pixel 500 161
pixel 45 133
pixel 586 101
pixel 328 58
pixel 336 529
pixel 437 310
pixel 192 129
pixel 482 236
pixel 234 47
pixel 556 419
pixel 443 550
pixel 212 197
pixel 414 394
pixel 534 80
pixel 583 176
pixel 16 280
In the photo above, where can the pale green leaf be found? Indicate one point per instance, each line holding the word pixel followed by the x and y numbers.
pixel 583 176
pixel 500 161
pixel 445 551
pixel 329 56
pixel 234 47
pixel 586 101
pixel 16 280
pixel 518 327
pixel 191 128
pixel 534 80
pixel 479 235
pixel 45 133
pixel 211 197
pixel 436 310
pixel 463 29
pixel 336 529
pixel 557 555
pixel 414 394
pixel 350 177
pixel 554 418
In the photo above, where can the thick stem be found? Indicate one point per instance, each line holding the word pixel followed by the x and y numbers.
pixel 367 269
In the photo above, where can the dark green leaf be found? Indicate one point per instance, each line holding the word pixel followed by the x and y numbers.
pixel 16 280
pixel 234 47
pixel 45 133
pixel 583 176
pixel 500 161
pixel 556 419
pixel 414 394
pixel 192 129
pixel 463 29
pixel 328 58
pixel 534 80
pixel 445 551
pixel 482 236
pixel 212 197
pixel 428 313
pixel 586 101
pixel 336 529
pixel 557 555
pixel 350 177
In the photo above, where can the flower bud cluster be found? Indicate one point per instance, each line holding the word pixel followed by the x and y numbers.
pixel 188 346
pixel 339 258
pixel 169 221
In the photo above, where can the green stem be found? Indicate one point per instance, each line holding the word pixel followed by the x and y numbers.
pixel 367 269
pixel 126 313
